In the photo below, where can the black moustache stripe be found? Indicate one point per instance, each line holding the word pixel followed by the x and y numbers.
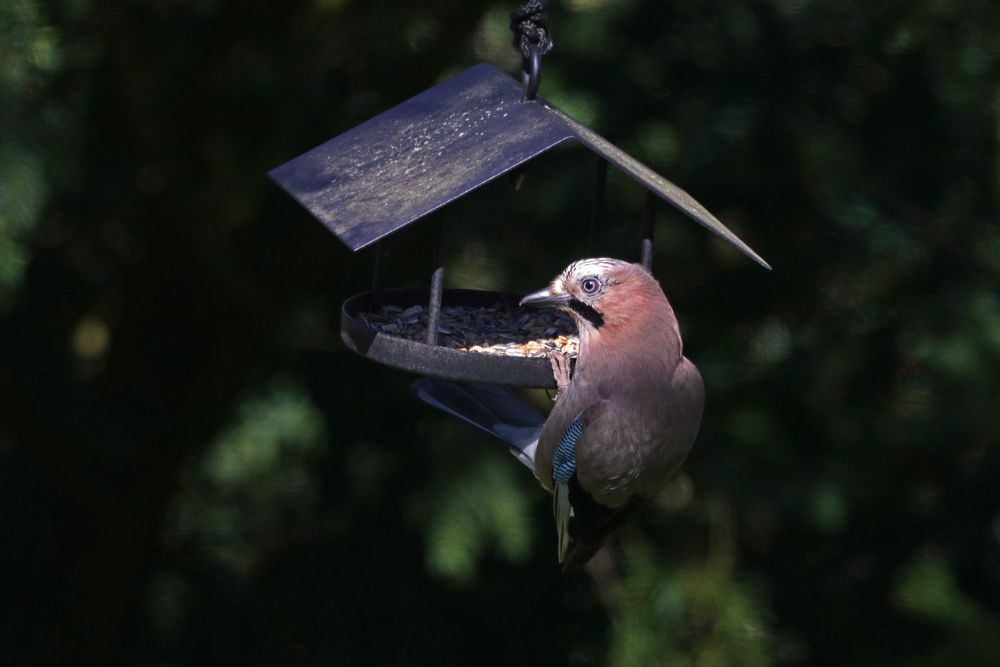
pixel 587 313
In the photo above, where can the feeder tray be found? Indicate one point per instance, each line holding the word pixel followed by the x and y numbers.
pixel 415 158
pixel 482 336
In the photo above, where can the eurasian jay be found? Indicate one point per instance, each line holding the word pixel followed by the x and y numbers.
pixel 621 427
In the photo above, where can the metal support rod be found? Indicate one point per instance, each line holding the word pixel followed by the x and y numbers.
pixel 437 287
pixel 597 216
pixel 648 229
pixel 378 282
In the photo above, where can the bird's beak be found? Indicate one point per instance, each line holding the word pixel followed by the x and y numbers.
pixel 544 298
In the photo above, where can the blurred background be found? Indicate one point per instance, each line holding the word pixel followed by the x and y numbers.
pixel 194 470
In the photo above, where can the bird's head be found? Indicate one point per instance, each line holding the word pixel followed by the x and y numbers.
pixel 602 294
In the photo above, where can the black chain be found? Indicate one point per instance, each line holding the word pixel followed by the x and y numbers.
pixel 532 38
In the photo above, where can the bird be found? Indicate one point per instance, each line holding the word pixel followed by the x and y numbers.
pixel 624 418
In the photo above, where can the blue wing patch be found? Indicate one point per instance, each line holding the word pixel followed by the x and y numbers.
pixel 564 458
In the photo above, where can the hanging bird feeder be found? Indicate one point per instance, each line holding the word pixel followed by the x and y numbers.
pixel 417 157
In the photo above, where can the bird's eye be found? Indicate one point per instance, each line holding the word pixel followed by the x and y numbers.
pixel 590 285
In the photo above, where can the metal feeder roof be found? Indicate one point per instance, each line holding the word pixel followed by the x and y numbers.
pixel 440 145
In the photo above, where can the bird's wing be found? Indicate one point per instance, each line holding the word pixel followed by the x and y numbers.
pixel 582 523
pixel 563 511
pixel 563 472
pixel 496 410
pixel 592 522
pixel 582 399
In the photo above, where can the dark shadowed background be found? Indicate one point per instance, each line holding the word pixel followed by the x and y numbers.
pixel 195 471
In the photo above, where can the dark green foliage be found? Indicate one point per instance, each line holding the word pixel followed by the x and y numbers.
pixel 194 470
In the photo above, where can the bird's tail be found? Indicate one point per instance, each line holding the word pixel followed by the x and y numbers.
pixel 590 524
pixel 496 410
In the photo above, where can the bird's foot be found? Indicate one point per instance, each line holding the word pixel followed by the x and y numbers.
pixel 561 371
